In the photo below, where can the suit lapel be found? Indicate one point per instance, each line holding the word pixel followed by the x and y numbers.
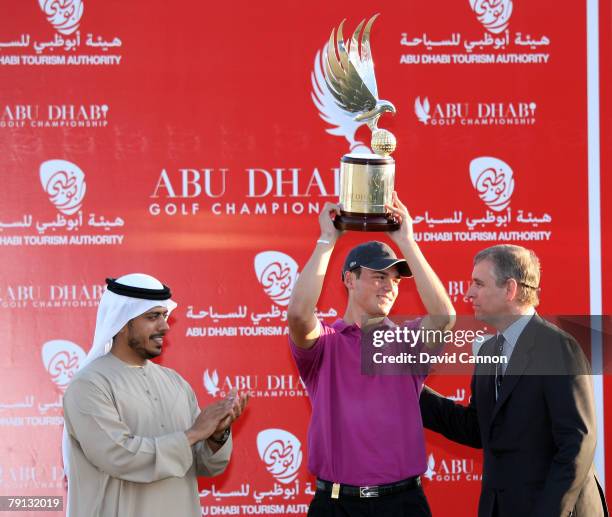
pixel 518 362
pixel 485 382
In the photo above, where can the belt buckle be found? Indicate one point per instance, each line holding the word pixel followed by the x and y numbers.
pixel 368 491
pixel 335 493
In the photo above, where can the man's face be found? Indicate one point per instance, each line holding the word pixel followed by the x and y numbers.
pixel 146 332
pixel 376 291
pixel 489 301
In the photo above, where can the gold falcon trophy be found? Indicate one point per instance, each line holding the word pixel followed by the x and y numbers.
pixel 366 179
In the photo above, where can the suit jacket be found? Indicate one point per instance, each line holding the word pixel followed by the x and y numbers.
pixel 538 438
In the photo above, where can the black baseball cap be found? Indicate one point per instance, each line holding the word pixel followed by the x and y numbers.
pixel 377 256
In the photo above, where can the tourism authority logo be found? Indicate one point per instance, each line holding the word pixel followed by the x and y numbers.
pixel 281 452
pixel 63 15
pixel 493 180
pixel 68 46
pixel 276 272
pixel 64 183
pixel 493 14
pixel 497 45
pixel 62 359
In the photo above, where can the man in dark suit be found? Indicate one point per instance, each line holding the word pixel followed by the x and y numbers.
pixel 534 417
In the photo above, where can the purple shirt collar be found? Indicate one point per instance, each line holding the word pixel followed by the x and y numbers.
pixel 340 325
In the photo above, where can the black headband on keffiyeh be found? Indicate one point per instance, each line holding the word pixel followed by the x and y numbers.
pixel 138 292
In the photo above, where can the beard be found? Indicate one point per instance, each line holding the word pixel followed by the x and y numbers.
pixel 140 347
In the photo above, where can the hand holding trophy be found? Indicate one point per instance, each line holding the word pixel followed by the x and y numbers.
pixel 366 179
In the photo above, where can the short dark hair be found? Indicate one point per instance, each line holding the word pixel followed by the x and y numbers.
pixel 518 263
pixel 357 272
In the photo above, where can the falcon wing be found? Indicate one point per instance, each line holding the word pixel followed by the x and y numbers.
pixel 329 110
pixel 363 62
pixel 349 75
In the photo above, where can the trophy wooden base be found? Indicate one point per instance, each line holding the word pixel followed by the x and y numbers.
pixel 365 222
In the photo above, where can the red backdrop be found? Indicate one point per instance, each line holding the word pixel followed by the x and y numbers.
pixel 194 143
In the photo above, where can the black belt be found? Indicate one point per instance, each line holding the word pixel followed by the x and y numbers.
pixel 337 489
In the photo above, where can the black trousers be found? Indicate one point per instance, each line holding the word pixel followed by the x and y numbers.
pixel 411 503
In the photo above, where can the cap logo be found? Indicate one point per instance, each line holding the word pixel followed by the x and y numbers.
pixel 353 263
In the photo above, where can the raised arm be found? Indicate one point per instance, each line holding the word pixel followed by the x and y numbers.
pixel 440 310
pixel 304 327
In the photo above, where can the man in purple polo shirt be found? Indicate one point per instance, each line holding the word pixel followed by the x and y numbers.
pixel 366 442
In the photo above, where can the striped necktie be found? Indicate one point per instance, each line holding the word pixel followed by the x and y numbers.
pixel 499 373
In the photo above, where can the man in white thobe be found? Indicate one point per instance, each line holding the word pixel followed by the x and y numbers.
pixel 135 438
